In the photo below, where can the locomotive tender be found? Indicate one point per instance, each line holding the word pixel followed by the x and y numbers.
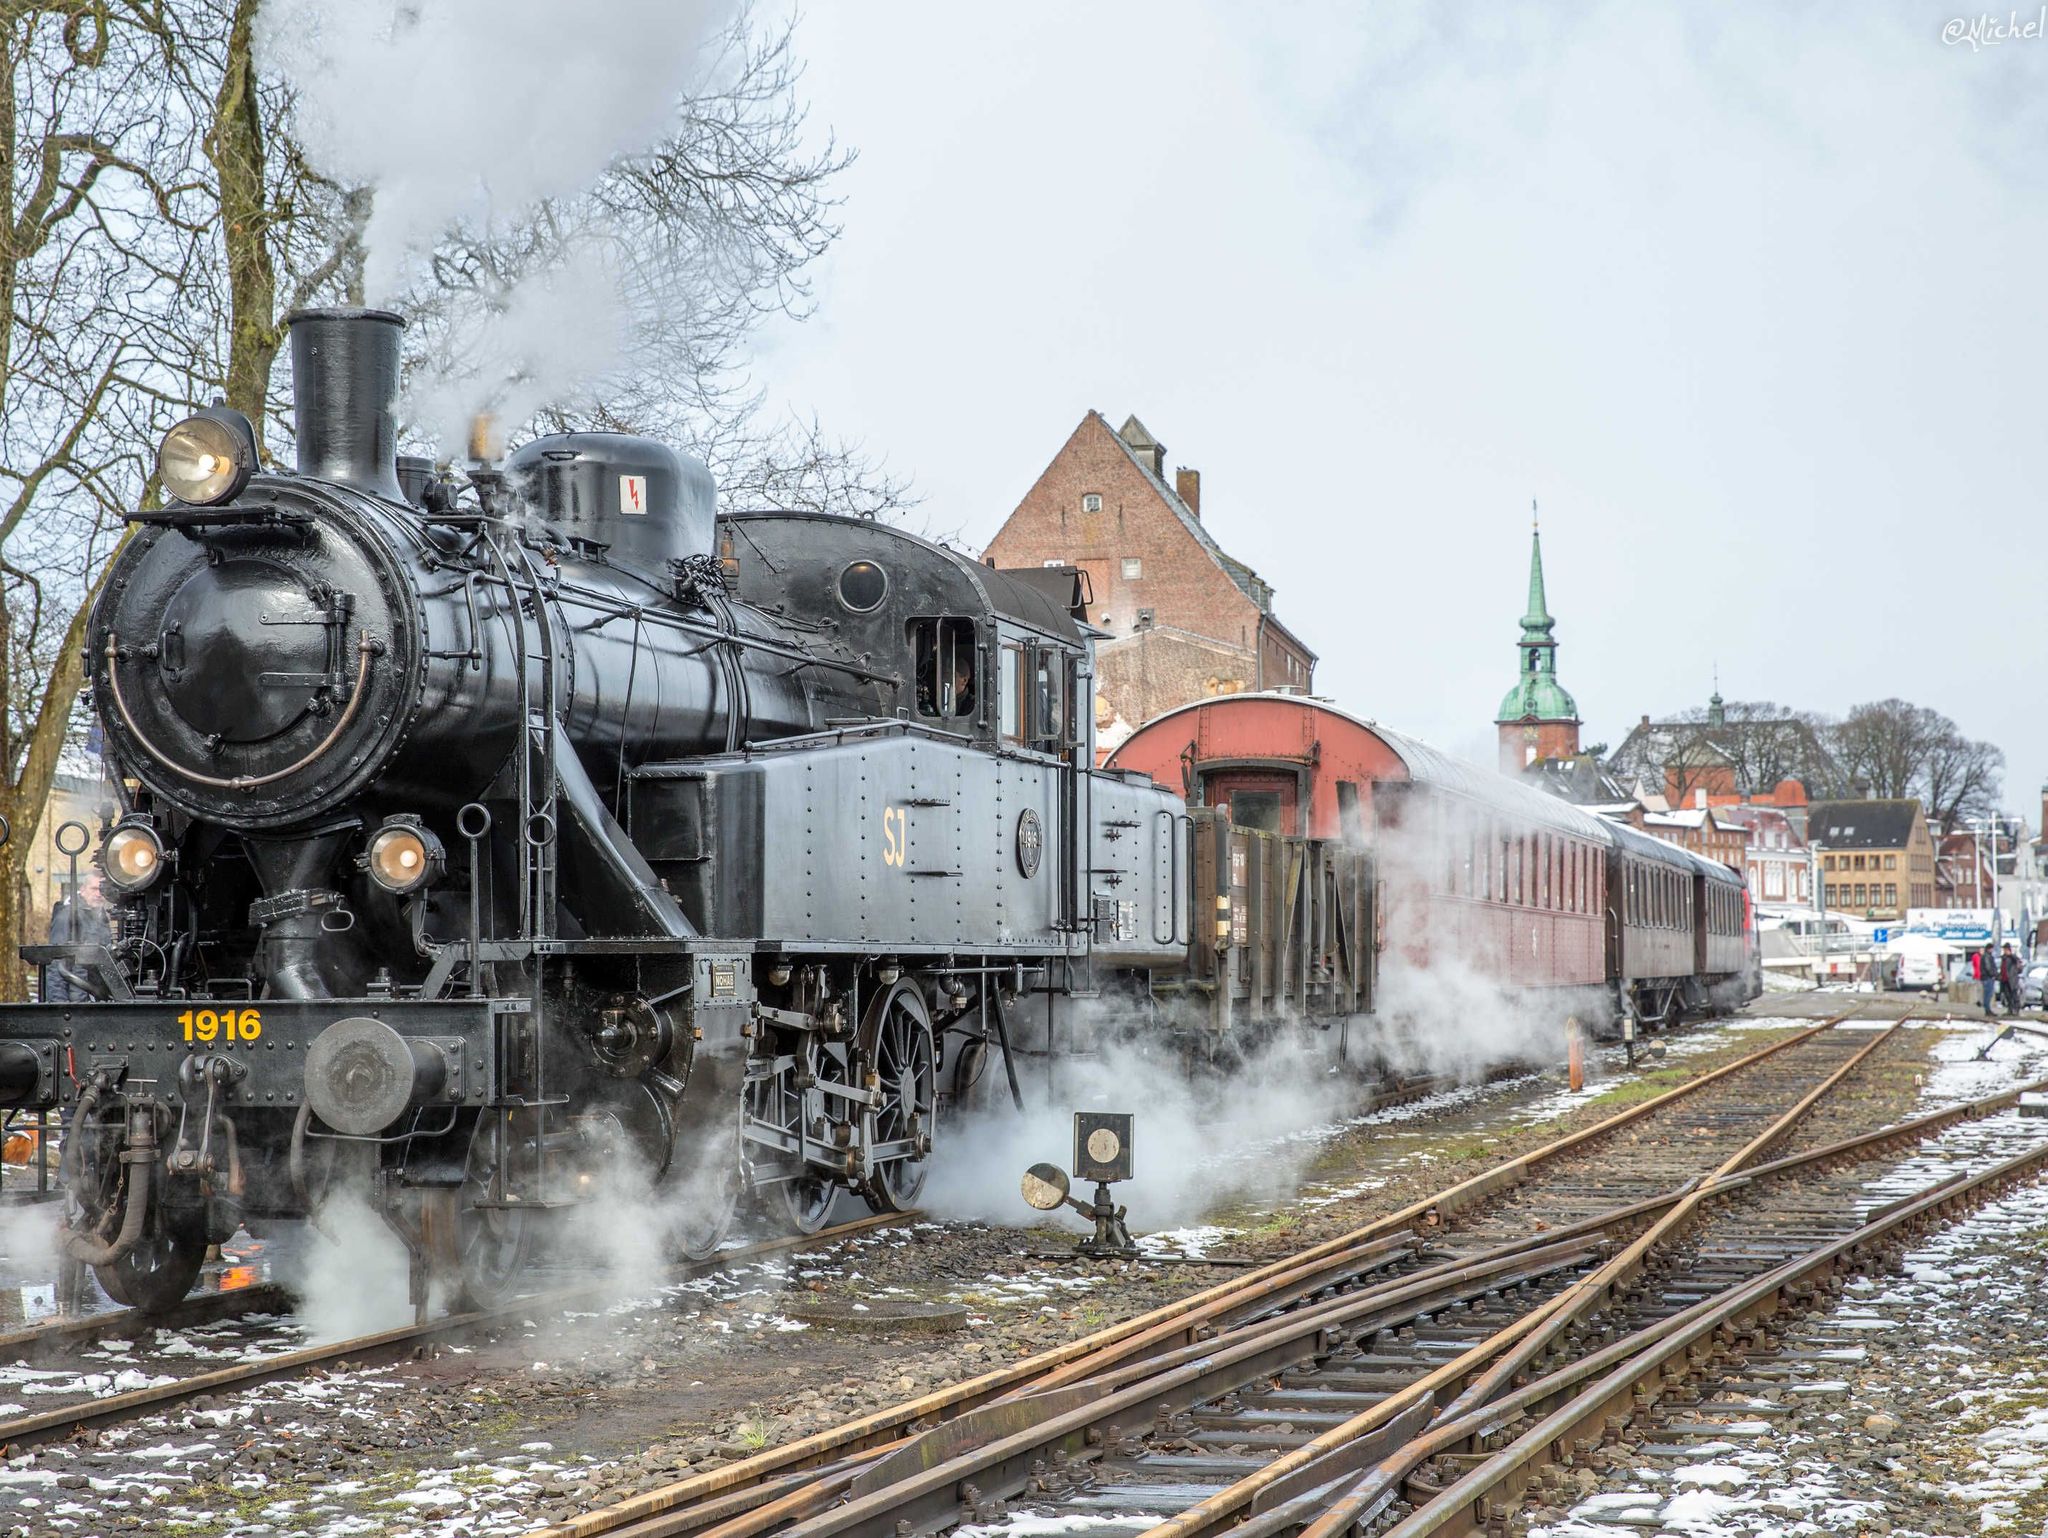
pixel 481 837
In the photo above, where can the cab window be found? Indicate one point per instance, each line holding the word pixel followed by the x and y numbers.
pixel 1008 695
pixel 1049 699
pixel 945 667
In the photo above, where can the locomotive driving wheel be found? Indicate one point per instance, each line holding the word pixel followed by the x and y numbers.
pixel 161 1268
pixel 708 1197
pixel 898 1052
pixel 806 1202
pixel 164 1262
pixel 493 1244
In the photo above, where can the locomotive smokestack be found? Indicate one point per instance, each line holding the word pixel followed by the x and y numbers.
pixel 483 438
pixel 345 397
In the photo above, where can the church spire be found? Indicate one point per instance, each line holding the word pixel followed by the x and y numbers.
pixel 1538 719
pixel 1537 623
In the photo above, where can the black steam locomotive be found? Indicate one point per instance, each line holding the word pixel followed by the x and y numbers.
pixel 482 835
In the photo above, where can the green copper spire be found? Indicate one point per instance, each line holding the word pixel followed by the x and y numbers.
pixel 1537 623
pixel 1537 695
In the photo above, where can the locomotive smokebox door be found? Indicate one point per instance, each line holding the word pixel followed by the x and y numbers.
pixel 1102 1145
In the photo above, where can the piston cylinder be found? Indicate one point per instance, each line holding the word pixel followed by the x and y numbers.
pixel 361 1075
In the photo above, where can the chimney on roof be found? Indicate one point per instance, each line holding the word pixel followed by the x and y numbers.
pixel 1646 718
pixel 1187 485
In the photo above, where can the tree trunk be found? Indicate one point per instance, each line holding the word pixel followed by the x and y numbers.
pixel 235 146
pixel 13 914
pixel 26 798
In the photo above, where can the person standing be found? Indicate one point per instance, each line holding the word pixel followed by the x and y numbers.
pixel 80 918
pixel 1985 974
pixel 2009 979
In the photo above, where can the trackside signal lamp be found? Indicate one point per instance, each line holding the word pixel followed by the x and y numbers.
pixel 404 856
pixel 132 858
pixel 208 457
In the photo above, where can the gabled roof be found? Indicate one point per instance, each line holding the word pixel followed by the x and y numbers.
pixel 1862 824
pixel 1249 582
pixel 1581 780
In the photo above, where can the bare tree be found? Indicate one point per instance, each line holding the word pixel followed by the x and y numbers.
pixel 702 237
pixel 1897 749
pixel 1881 745
pixel 1757 743
pixel 101 243
pixel 1960 779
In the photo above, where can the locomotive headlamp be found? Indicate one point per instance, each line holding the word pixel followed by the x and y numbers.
pixel 403 856
pixel 207 458
pixel 133 856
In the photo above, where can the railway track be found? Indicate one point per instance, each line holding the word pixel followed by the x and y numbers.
pixel 66 1333
pixel 273 1361
pixel 1030 1428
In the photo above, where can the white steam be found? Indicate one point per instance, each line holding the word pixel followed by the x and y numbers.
pixel 470 112
pixel 561 332
pixel 352 1277
pixel 478 130
pixel 1198 1141
pixel 1444 1004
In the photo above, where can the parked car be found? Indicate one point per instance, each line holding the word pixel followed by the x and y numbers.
pixel 1919 970
pixel 2034 985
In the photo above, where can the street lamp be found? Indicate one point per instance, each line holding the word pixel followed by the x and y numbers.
pixel 1979 826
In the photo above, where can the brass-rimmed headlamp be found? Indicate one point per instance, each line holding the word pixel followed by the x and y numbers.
pixel 208 457
pixel 132 856
pixel 404 855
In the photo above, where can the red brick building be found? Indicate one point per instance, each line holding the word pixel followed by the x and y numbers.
pixel 1184 619
pixel 1965 871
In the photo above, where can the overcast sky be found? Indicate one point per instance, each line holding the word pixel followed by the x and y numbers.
pixel 1752 299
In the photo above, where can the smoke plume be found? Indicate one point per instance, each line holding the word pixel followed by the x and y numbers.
pixel 467 113
pixel 1199 1141
pixel 477 130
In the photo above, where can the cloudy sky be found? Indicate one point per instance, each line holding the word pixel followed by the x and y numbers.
pixel 1751 298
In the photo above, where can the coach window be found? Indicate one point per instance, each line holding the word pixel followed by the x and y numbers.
pixel 945 667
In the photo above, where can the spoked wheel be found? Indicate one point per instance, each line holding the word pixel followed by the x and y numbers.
pixel 897 1048
pixel 710 1202
pixel 494 1245
pixel 161 1269
pixel 807 1202
pixel 704 1187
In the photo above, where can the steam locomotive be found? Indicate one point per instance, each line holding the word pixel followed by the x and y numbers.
pixel 485 836
pixel 481 837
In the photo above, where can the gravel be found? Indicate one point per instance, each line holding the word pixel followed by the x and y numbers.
pixel 558 1415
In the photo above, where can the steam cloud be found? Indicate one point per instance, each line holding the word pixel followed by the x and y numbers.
pixel 461 115
pixel 468 112
pixel 1441 1009
pixel 1197 1141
